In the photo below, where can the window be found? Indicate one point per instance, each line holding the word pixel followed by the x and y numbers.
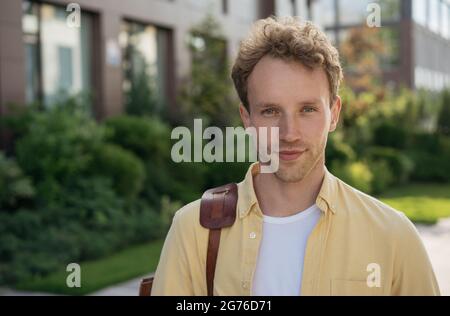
pixel 246 11
pixel 225 6
pixel 30 26
pixel 58 57
pixel 420 9
pixel 286 7
pixel 434 15
pixel 353 12
pixel 445 7
pixel 145 51
pixel 324 12
pixel 448 20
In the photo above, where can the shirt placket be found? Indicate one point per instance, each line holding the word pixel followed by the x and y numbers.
pixel 252 240
pixel 314 254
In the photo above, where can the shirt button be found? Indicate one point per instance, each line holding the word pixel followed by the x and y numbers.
pixel 252 235
pixel 244 285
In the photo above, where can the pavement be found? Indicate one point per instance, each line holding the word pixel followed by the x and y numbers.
pixel 437 242
pixel 436 239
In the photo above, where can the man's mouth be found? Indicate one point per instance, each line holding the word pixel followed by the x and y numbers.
pixel 290 155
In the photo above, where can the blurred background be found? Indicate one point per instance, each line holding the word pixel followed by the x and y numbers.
pixel 88 100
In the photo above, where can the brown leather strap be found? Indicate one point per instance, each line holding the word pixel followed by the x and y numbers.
pixel 145 288
pixel 211 258
pixel 217 211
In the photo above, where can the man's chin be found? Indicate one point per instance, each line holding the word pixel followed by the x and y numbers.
pixel 290 173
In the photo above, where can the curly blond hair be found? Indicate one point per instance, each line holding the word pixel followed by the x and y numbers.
pixel 288 39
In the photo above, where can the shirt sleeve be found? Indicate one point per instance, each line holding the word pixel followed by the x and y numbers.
pixel 172 276
pixel 414 274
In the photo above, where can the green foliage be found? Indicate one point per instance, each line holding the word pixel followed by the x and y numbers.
pixel 430 167
pixel 57 147
pixel 15 187
pixel 421 202
pixel 147 137
pixel 338 151
pixel 90 222
pixel 431 156
pixel 356 174
pixel 122 266
pixel 87 202
pixel 400 165
pixel 443 124
pixel 168 209
pixel 383 177
pixel 207 93
pixel 141 99
pixel 388 134
pixel 122 166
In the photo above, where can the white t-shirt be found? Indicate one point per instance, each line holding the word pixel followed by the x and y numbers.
pixel 280 260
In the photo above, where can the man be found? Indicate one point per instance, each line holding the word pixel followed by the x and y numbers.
pixel 300 230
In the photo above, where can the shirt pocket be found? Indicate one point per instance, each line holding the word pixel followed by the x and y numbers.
pixel 353 288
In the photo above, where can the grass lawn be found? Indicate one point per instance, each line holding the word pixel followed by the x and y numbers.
pixel 422 203
pixel 95 275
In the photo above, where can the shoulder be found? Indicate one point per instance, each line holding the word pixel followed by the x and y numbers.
pixel 368 210
pixel 186 223
pixel 187 217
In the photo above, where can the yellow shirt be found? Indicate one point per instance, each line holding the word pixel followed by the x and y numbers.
pixel 360 246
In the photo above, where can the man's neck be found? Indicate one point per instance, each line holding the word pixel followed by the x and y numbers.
pixel 280 199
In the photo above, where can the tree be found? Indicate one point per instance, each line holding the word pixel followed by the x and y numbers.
pixel 443 125
pixel 361 53
pixel 207 94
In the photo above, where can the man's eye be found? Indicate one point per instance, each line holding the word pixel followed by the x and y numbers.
pixel 308 109
pixel 269 112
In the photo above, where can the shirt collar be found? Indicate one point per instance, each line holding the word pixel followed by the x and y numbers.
pixel 247 200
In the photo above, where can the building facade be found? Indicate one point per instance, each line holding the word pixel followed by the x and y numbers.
pixel 415 32
pixel 45 51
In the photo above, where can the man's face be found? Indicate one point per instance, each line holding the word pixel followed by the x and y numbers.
pixel 295 99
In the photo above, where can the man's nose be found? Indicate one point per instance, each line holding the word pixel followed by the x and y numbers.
pixel 289 129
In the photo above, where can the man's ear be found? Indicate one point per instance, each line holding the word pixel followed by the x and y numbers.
pixel 245 115
pixel 335 111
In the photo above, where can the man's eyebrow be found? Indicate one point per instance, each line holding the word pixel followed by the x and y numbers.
pixel 310 101
pixel 303 102
pixel 267 104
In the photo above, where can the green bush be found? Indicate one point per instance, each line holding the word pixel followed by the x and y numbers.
pixel 388 134
pixel 430 167
pixel 356 174
pixel 400 164
pixel 87 202
pixel 168 209
pixel 57 148
pixel 90 222
pixel 15 187
pixel 383 177
pixel 339 151
pixel 147 137
pixel 443 124
pixel 122 166
pixel 426 142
